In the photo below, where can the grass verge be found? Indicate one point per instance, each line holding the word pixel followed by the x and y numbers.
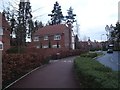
pixel 93 74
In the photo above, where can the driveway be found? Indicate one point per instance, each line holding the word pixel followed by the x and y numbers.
pixel 57 74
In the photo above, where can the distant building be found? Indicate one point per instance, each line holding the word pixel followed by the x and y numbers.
pixel 88 45
pixel 53 36
pixel 83 45
pixel 4 33
pixel 95 45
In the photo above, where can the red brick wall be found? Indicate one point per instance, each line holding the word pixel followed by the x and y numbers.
pixel 65 41
pixel 67 38
pixel 6 40
pixel 52 41
pixel 6 34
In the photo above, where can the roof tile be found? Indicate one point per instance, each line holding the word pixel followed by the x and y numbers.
pixel 51 30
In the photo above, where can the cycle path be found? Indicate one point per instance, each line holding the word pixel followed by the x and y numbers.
pixel 58 74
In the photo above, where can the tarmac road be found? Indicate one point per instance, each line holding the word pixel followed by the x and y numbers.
pixel 111 60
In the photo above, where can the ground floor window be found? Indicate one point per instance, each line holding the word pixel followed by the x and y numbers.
pixel 45 46
pixel 56 46
pixel 37 46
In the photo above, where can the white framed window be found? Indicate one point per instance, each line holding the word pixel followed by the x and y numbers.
pixel 45 46
pixel 36 39
pixel 55 46
pixel 57 37
pixel 37 46
pixel 1 45
pixel 46 37
pixel 1 31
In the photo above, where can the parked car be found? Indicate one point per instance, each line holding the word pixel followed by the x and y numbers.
pixel 110 51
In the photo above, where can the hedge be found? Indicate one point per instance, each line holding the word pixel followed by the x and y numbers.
pixel 16 65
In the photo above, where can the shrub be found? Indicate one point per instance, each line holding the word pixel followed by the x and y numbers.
pixel 90 54
pixel 16 65
pixel 15 50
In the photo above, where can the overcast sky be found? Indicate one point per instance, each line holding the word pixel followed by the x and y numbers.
pixel 92 15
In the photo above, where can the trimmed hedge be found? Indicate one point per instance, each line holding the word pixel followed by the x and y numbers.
pixel 15 50
pixel 90 54
pixel 16 65
pixel 92 74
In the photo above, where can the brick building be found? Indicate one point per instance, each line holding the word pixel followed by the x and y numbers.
pixel 4 33
pixel 89 45
pixel 53 36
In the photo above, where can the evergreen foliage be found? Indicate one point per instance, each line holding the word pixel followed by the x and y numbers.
pixel 56 16
pixel 70 17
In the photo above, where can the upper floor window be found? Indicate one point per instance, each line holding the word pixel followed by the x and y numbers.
pixel 1 31
pixel 1 45
pixel 57 37
pixel 45 37
pixel 36 38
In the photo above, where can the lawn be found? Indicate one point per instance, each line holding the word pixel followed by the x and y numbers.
pixel 92 74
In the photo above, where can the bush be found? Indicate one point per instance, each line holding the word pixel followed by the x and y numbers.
pixel 16 65
pixel 15 50
pixel 90 54
pixel 92 74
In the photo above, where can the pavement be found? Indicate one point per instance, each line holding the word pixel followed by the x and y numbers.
pixel 58 74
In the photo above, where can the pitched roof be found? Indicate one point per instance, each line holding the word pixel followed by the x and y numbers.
pixel 51 30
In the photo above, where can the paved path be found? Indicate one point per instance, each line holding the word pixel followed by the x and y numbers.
pixel 57 74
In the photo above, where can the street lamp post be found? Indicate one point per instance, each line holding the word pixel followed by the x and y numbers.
pixel 101 42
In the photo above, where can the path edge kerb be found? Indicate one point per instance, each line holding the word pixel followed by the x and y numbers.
pixel 99 56
pixel 24 76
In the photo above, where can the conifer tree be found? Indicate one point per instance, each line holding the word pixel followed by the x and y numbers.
pixel 70 17
pixel 117 34
pixel 56 16
pixel 25 24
